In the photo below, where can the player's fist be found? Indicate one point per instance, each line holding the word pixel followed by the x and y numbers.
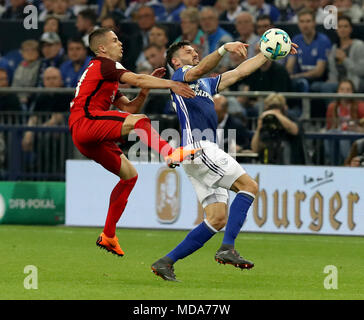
pixel 237 47
pixel 182 89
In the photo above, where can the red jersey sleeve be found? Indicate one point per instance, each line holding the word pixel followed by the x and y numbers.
pixel 111 70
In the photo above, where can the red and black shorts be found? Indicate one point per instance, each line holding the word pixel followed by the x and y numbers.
pixel 95 136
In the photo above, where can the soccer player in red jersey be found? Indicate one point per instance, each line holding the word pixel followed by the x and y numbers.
pixel 95 129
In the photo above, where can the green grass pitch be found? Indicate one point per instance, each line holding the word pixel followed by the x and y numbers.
pixel 70 266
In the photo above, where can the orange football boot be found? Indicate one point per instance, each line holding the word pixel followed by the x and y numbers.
pixel 110 244
pixel 179 155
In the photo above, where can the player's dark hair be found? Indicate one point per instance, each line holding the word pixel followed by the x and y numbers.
pixel 173 48
pixel 94 35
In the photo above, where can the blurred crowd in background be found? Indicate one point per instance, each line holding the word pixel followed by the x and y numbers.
pixel 325 63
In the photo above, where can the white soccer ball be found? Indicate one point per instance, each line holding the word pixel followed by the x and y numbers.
pixel 275 44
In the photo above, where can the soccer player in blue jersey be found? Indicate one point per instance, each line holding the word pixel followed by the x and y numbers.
pixel 214 172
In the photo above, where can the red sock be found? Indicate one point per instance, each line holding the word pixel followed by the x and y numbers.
pixel 151 138
pixel 118 200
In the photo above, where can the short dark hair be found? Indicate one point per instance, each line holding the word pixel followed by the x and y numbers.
pixel 96 34
pixel 305 11
pixel 162 27
pixel 89 14
pixel 348 19
pixel 173 48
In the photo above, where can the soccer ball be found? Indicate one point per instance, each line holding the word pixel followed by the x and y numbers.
pixel 275 44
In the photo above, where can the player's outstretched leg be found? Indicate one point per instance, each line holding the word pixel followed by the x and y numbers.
pixel 246 189
pixel 149 136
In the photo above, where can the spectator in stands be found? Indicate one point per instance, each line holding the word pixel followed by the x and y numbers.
pixel 8 101
pixel 355 157
pixel 52 52
pixel 156 57
pixel 190 22
pixel 259 7
pixel 16 10
pixel 52 24
pixel 11 61
pixel 315 7
pixel 173 8
pixel 226 122
pixel 62 10
pixel 146 20
pixel 278 138
pixel 215 36
pixel 346 58
pixel 159 35
pixel 232 11
pixel 131 11
pixel 262 24
pixel 244 24
pixel 130 52
pixel 56 104
pixel 345 114
pixel 86 23
pixel 46 9
pixel 289 13
pixel 73 68
pixel 309 64
pixel 114 7
pixel 26 74
pixel 349 9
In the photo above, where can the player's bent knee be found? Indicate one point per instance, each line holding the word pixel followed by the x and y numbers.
pixel 245 183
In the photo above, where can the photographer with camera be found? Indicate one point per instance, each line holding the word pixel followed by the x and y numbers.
pixel 278 138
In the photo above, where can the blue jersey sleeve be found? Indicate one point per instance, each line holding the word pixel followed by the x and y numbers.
pixel 214 84
pixel 179 74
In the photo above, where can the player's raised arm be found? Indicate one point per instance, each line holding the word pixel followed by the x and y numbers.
pixel 246 68
pixel 135 105
pixel 209 63
pixel 149 82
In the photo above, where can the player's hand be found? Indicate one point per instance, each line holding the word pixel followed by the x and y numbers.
pixel 182 89
pixel 293 48
pixel 159 72
pixel 237 47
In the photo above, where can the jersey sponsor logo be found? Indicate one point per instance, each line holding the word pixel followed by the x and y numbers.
pixel 168 195
pixel 196 87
